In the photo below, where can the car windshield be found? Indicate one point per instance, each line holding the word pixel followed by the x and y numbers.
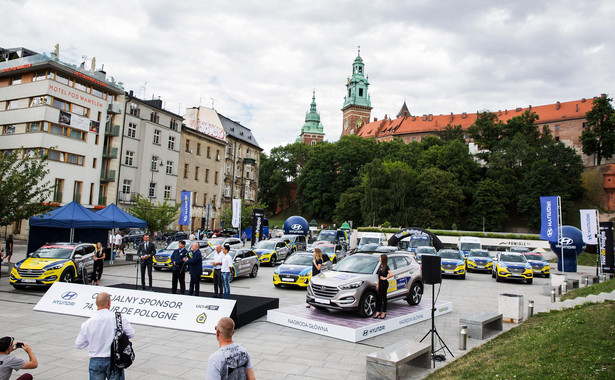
pixel 369 240
pixel 368 248
pixel 264 244
pixel 52 253
pixel 326 237
pixel 469 246
pixel 534 256
pixel 299 260
pixel 289 237
pixel 513 258
pixel 327 248
pixel 426 250
pixel 449 254
pixel 419 243
pixel 479 253
pixel 210 256
pixel 175 244
pixel 358 264
pixel 519 249
pixel 214 242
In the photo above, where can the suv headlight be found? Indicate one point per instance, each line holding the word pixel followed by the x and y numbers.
pixel 502 265
pixel 54 267
pixel 352 285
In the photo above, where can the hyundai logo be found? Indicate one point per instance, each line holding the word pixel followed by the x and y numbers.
pixel 323 287
pixel 549 232
pixel 296 226
pixel 566 241
pixel 69 295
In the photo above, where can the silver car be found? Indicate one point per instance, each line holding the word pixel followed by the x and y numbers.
pixel 351 284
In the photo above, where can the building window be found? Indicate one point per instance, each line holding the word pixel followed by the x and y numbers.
pixel 102 195
pixel 157 136
pixel 167 192
pixel 206 175
pixel 173 124
pixel 16 79
pixel 238 172
pixel 557 127
pixel 313 142
pixel 127 186
pixel 236 192
pixel 205 199
pixel 12 104
pixel 134 110
pixel 198 149
pixel 248 172
pixel 246 194
pixel 217 154
pixel 584 125
pixel 154 163
pixel 132 130
pixel 57 190
pixel 94 163
pixel 228 149
pixel 169 167
pixel 8 129
pixel 152 190
pixel 196 173
pixel 208 152
pixel 188 146
pixel 41 75
pixel 360 92
pixel 216 178
pixel 239 152
pixel 154 118
pixel 81 86
pixel 185 170
pixel 77 191
pixel 228 169
pixel 227 190
pixel 213 201
pixel 171 144
pixel 91 200
pixel 129 158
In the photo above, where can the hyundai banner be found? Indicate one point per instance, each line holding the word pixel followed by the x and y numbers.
pixel 606 247
pixel 589 226
pixel 549 218
pixel 257 225
pixel 236 221
pixel 184 210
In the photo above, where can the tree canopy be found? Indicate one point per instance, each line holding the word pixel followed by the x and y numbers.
pixel 157 216
pixel 599 136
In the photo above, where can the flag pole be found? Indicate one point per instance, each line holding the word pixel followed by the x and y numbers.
pixel 599 250
pixel 560 230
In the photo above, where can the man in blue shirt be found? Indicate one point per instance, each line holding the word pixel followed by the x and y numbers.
pixel 194 260
pixel 179 268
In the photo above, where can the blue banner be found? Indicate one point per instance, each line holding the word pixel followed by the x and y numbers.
pixel 184 210
pixel 549 218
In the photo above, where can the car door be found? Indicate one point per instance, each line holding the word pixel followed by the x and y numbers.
pixel 400 280
pixel 79 258
pixel 282 250
pixel 300 243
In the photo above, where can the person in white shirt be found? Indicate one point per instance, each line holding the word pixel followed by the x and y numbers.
pixel 227 263
pixel 217 264
pixel 97 333
pixel 117 241
pixel 231 361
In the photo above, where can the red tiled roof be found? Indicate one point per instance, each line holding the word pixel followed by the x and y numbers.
pixel 428 123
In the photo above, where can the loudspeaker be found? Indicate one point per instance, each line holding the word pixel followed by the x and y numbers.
pixel 431 267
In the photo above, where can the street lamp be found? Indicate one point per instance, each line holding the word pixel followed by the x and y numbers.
pixel 153 167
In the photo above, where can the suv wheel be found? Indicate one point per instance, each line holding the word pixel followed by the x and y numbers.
pixel 67 276
pixel 415 294
pixel 274 259
pixel 367 304
pixel 254 271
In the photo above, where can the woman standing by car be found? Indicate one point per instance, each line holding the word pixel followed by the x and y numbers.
pixel 99 259
pixel 316 264
pixel 383 285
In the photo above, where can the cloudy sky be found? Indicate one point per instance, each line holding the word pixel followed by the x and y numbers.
pixel 260 60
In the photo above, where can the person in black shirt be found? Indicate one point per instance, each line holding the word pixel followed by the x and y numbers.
pixel 316 264
pixel 383 285
pixel 145 252
pixel 99 259
pixel 9 249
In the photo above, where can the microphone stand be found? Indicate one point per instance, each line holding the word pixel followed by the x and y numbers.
pixel 137 265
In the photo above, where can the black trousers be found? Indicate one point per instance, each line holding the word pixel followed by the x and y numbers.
pixel 381 302
pixel 195 285
pixel 178 276
pixel 97 270
pixel 218 283
pixel 149 273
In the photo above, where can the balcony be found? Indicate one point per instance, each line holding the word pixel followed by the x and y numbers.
pixel 115 108
pixel 127 198
pixel 112 130
pixel 249 161
pixel 108 176
pixel 110 153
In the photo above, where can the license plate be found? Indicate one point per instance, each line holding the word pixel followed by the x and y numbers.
pixel 206 272
pixel 286 279
pixel 28 280
pixel 322 300
pixel 449 271
pixel 158 264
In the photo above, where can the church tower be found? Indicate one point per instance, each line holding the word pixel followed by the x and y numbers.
pixel 312 131
pixel 357 104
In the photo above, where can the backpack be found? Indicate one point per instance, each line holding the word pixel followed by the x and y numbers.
pixel 122 354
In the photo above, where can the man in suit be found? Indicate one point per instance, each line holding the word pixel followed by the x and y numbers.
pixel 179 268
pixel 195 266
pixel 146 252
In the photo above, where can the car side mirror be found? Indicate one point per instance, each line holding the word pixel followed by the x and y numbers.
pixel 237 259
pixel 77 257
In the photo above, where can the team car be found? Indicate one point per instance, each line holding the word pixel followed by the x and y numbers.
pixel 295 242
pixel 334 252
pixel 162 258
pixel 232 241
pixel 54 262
pixel 245 263
pixel 453 263
pixel 297 270
pixel 420 251
pixel 351 284
pixel 511 265
pixel 270 251
pixel 539 264
pixel 479 260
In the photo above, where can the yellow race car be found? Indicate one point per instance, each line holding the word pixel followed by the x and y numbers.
pixel 511 265
pixel 53 262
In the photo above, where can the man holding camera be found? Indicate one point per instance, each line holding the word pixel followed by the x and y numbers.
pixel 9 363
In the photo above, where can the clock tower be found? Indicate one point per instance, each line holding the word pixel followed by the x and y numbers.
pixel 357 104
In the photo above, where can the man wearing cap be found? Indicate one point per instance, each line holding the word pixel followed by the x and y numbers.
pixel 97 333
pixel 9 363
pixel 179 268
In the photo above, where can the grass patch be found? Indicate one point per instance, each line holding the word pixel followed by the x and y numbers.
pixel 603 287
pixel 568 344
pixel 587 259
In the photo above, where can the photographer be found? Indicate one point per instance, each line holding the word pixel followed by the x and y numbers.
pixel 9 363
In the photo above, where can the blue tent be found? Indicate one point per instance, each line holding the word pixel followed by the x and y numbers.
pixel 120 218
pixel 73 215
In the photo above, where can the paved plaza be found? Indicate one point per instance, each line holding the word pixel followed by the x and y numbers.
pixel 277 352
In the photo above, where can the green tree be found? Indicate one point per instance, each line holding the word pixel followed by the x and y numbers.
pixel 491 203
pixel 599 136
pixel 349 206
pixel 157 216
pixel 486 130
pixel 22 189
pixel 451 133
pixel 440 199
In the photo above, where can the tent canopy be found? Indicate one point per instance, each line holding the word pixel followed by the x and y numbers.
pixel 73 215
pixel 120 218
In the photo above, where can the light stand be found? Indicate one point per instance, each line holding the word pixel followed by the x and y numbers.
pixel 434 333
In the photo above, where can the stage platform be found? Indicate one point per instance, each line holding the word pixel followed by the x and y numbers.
pixel 349 326
pixel 247 308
